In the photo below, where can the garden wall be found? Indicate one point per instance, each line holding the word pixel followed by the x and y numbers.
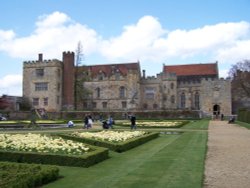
pixel 166 114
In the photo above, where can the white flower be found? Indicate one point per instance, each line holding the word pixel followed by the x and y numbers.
pixel 111 136
pixel 40 143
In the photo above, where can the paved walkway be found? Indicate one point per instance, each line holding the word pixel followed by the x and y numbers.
pixel 228 156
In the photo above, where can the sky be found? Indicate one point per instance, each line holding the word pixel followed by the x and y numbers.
pixel 153 32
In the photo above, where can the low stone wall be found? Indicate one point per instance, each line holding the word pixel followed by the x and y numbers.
pixel 166 114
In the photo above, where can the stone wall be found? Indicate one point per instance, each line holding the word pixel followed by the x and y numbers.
pixel 52 75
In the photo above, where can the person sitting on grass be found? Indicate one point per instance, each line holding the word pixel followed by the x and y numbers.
pixel 231 120
pixel 70 124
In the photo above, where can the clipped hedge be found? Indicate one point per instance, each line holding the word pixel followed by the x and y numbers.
pixel 244 115
pixel 86 160
pixel 118 147
pixel 147 126
pixel 26 175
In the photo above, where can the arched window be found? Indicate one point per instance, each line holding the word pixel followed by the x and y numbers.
pixel 155 106
pixel 98 92
pixel 197 101
pixel 183 100
pixel 101 75
pixel 172 85
pixel 122 92
pixel 172 99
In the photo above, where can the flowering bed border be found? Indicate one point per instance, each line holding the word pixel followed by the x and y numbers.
pixel 99 154
pixel 152 127
pixel 118 147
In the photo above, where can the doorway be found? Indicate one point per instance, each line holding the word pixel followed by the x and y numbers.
pixel 216 110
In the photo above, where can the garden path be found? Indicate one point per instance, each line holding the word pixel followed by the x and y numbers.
pixel 228 157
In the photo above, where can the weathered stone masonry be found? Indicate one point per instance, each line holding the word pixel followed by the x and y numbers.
pixel 49 84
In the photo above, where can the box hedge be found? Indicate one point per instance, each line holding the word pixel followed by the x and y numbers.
pixel 118 147
pixel 86 160
pixel 26 175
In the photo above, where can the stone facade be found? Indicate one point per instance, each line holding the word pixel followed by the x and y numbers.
pixel 122 87
pixel 42 83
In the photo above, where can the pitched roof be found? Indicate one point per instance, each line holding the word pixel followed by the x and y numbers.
pixel 110 68
pixel 192 69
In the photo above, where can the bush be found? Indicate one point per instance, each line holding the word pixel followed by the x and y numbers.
pixel 118 147
pixel 26 175
pixel 244 115
pixel 91 158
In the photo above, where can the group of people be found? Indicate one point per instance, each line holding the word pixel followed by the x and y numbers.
pixel 106 124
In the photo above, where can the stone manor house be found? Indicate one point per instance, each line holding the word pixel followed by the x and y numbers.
pixel 51 85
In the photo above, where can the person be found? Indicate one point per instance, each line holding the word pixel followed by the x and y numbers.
pixel 70 124
pixel 105 125
pixel 231 120
pixel 86 120
pixel 110 122
pixel 90 122
pixel 133 122
pixel 222 117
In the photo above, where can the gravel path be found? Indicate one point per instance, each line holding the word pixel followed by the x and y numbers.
pixel 228 156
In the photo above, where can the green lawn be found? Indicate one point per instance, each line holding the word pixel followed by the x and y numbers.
pixel 175 160
pixel 243 124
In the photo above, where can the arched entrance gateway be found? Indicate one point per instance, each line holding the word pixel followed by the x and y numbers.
pixel 216 110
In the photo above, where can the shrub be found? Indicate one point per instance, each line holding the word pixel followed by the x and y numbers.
pixel 26 175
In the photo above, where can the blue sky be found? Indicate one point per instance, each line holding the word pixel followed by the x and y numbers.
pixel 154 32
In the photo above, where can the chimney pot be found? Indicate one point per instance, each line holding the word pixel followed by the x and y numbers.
pixel 40 57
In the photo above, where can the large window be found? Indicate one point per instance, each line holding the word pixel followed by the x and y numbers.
pixel 197 101
pixel 183 100
pixel 172 99
pixel 39 72
pixel 98 92
pixel 45 101
pixel 35 101
pixel 150 92
pixel 41 86
pixel 122 92
pixel 104 105
pixel 124 104
pixel 101 75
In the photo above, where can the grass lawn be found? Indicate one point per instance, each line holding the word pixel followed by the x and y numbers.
pixel 243 124
pixel 175 160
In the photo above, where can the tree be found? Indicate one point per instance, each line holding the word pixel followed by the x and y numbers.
pixel 25 104
pixel 4 103
pixel 240 76
pixel 81 93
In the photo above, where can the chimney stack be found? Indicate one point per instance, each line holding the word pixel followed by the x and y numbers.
pixel 143 73
pixel 40 57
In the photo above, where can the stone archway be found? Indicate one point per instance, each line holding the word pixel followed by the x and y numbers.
pixel 216 110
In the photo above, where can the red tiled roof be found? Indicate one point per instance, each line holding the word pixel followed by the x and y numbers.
pixel 192 69
pixel 107 69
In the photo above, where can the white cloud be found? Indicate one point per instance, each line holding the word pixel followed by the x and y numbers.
pixel 11 85
pixel 54 33
pixel 136 41
pixel 145 40
pixel 237 52
pixel 148 40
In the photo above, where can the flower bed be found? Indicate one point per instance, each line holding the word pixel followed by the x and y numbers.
pixel 158 124
pixel 34 148
pixel 110 136
pixel 114 140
